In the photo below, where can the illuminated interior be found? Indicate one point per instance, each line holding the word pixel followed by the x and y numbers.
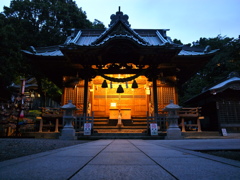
pixel 104 99
pixel 138 101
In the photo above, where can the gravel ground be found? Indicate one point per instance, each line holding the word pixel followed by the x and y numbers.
pixel 11 148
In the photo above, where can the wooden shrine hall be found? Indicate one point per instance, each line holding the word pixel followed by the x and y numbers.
pixel 119 70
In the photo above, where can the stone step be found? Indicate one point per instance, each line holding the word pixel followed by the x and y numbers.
pixel 122 127
pixel 137 117
pixel 140 119
pixel 118 135
pixel 120 131
pixel 125 122
pixel 100 122
pixel 145 123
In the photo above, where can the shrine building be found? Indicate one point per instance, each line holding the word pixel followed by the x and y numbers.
pixel 119 69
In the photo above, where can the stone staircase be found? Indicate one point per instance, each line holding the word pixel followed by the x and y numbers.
pixel 135 128
pixel 96 136
pixel 134 125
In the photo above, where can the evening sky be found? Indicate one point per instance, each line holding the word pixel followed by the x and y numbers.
pixel 188 20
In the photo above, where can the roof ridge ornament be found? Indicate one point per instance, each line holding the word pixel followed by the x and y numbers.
pixel 119 16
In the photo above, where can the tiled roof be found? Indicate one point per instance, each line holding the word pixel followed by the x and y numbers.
pixel 144 37
pixel 224 83
pixel 194 53
pixel 87 41
pixel 232 79
pixel 46 53
pixel 119 29
pixel 150 40
pixel 153 40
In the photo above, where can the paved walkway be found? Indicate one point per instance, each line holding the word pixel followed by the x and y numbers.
pixel 127 159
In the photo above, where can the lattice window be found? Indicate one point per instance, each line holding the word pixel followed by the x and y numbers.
pixel 229 111
pixel 70 94
pixel 80 98
pixel 164 95
pixel 80 95
pixel 76 95
pixel 168 93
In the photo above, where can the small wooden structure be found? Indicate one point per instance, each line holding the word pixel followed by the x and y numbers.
pixel 220 104
pixel 190 118
pixel 50 119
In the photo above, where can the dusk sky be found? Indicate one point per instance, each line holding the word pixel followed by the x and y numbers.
pixel 188 20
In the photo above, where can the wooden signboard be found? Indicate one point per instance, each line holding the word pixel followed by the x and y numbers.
pixel 154 129
pixel 87 129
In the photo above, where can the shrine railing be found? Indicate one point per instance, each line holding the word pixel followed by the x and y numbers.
pixel 160 119
pixel 190 112
pixel 80 119
pixel 190 119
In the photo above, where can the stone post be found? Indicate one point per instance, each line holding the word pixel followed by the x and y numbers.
pixel 68 132
pixel 119 123
pixel 173 131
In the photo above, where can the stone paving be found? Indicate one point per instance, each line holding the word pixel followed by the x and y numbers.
pixel 127 159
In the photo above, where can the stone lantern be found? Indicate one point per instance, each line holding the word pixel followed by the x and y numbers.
pixel 68 132
pixel 173 131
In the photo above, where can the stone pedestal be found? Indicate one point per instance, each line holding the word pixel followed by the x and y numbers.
pixel 173 131
pixel 68 132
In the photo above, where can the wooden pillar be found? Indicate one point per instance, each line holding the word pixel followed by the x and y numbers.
pixel 183 125
pixel 85 100
pixel 155 99
pixel 9 131
pixel 199 123
pixel 56 125
pixel 40 123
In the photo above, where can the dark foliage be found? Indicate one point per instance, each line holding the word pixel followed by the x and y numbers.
pixel 35 23
pixel 226 60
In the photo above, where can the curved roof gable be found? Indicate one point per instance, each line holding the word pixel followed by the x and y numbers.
pixel 119 27
pixel 229 83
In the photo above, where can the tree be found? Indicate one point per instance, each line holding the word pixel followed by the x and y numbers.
pixel 177 41
pixel 98 24
pixel 10 56
pixel 46 22
pixel 225 61
pixel 35 23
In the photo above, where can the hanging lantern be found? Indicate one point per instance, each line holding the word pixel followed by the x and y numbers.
pixel 126 84
pixel 104 84
pixel 111 85
pixel 134 84
pixel 120 89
